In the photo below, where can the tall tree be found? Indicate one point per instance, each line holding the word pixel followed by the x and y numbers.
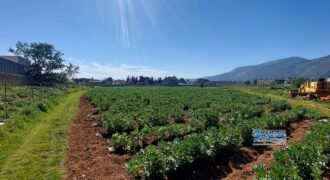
pixel 171 81
pixel 46 61
pixel 159 81
pixel 202 81
pixel 71 70
pixel 108 81
pixel 182 80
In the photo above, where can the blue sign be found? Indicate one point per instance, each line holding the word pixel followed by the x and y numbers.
pixel 269 137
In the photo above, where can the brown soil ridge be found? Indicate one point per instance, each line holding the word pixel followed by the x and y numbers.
pixel 89 157
pixel 241 165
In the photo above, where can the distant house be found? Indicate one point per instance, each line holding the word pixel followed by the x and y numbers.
pixel 279 81
pixel 328 79
pixel 95 82
pixel 225 82
pixel 118 82
pixel 266 82
pixel 87 81
pixel 81 81
pixel 12 70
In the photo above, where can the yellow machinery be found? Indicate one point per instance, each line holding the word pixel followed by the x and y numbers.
pixel 313 89
pixel 318 88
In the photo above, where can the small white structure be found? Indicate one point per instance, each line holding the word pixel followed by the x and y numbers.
pixel 266 82
pixel 328 79
pixel 118 82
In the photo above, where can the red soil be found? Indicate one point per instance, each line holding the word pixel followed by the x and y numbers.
pixel 89 157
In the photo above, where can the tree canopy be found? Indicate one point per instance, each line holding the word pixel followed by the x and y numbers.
pixel 143 80
pixel 297 82
pixel 202 81
pixel 47 63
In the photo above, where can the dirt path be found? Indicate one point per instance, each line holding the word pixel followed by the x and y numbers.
pixel 242 164
pixel 89 157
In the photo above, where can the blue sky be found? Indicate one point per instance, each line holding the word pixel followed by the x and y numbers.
pixel 187 38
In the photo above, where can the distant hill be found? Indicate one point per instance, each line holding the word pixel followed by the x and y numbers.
pixel 277 69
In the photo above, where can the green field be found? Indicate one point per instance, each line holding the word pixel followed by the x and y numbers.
pixel 169 128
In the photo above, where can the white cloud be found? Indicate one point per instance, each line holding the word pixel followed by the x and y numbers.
pixel 89 69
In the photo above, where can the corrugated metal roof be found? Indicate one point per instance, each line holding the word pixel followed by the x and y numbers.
pixel 16 59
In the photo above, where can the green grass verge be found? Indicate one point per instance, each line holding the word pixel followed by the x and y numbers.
pixel 322 108
pixel 38 151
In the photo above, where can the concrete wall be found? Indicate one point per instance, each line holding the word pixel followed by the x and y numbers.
pixel 14 79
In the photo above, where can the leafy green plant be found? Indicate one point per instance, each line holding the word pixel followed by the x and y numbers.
pixel 115 123
pixel 157 161
pixel 261 172
pixel 122 143
pixel 278 106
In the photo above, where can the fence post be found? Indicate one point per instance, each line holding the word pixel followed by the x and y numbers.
pixel 31 96
pixel 6 110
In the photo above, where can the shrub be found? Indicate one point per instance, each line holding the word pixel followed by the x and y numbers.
pixel 278 106
pixel 42 107
pixel 27 111
pixel 301 114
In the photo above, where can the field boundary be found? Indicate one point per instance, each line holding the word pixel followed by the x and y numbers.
pixel 38 151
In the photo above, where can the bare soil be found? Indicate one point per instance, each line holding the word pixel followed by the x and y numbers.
pixel 89 157
pixel 326 173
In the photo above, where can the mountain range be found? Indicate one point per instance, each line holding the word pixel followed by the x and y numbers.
pixel 279 69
